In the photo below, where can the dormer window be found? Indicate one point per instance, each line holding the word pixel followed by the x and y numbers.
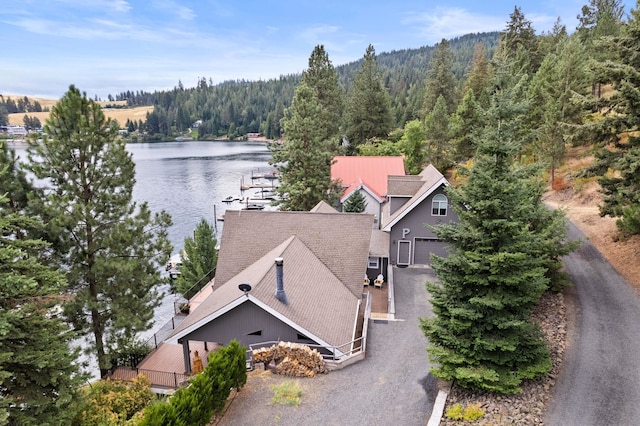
pixel 439 205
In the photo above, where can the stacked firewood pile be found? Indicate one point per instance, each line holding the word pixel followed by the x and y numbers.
pixel 292 359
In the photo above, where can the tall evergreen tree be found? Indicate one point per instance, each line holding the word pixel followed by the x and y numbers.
pixel 441 82
pixel 199 260
pixel 322 77
pixel 304 159
pixel 616 127
pixel 38 376
pixel 479 76
pixel 368 111
pixel 466 121
pixel 599 19
pixel 519 44
pixel 109 247
pixel 438 132
pixel 553 113
pixel 505 249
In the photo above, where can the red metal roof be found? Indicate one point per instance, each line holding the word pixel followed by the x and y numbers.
pixel 369 171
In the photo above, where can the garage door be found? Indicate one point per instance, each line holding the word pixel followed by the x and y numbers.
pixel 424 247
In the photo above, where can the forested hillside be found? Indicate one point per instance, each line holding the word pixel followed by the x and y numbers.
pixel 233 108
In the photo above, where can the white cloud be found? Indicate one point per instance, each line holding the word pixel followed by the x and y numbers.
pixel 182 12
pixel 451 22
pixel 118 6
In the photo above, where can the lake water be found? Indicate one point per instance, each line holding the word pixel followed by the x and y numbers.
pixel 187 179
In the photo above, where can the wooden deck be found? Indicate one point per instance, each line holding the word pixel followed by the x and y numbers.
pixel 379 298
pixel 165 365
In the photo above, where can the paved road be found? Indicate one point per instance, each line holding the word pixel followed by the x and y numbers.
pixel 390 387
pixel 600 380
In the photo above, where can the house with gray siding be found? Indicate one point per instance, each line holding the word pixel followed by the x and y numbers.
pixel 284 276
pixel 413 202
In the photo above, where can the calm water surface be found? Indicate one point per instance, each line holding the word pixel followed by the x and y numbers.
pixel 187 179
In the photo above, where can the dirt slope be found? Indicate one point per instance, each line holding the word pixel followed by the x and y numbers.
pixel 581 199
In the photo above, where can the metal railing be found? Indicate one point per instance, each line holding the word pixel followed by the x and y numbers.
pixel 353 346
pixel 157 378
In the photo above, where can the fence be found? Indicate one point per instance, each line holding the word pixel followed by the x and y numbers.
pixel 157 378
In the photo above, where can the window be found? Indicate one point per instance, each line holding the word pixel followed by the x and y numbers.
pixel 373 263
pixel 439 205
pixel 255 333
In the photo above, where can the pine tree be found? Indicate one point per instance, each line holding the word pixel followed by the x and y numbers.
pixel 368 104
pixel 438 131
pixel 304 159
pixel 310 141
pixel 356 203
pixel 441 82
pixel 199 260
pixel 38 376
pixel 479 76
pixel 617 162
pixel 518 43
pixel 110 248
pixel 322 76
pixel 465 123
pixel 599 19
pixel 502 250
pixel 553 112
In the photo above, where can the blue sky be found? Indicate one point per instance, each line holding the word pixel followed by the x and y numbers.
pixel 109 46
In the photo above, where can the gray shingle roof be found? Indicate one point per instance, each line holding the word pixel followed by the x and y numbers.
pixel 319 303
pixel 405 186
pixel 323 207
pixel 339 240
pixel 379 246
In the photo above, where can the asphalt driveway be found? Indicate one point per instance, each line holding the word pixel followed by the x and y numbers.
pixel 391 386
pixel 600 379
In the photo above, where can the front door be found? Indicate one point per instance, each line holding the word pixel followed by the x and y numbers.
pixel 404 253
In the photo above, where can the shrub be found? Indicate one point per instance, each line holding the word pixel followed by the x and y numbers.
pixel 206 394
pixel 112 402
pixel 469 413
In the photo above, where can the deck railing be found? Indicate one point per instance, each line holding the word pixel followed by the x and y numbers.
pixel 356 345
pixel 157 378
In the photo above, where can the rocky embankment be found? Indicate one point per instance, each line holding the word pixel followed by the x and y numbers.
pixel 528 407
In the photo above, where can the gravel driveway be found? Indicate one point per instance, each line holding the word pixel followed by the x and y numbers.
pixel 391 386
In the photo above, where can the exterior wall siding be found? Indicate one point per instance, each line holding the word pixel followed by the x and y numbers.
pixel 396 202
pixel 241 322
pixel 423 240
pixel 372 273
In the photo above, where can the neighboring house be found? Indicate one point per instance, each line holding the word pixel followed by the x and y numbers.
pixel 413 203
pixel 369 176
pixel 289 276
pixel 14 130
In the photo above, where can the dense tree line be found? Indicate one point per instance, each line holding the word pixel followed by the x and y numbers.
pixel 234 108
